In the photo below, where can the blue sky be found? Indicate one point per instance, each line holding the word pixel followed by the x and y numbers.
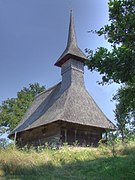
pixel 33 34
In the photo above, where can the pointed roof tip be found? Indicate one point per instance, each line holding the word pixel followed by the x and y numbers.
pixel 72 50
pixel 71 33
pixel 71 13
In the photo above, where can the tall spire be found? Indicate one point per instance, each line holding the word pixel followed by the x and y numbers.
pixel 72 50
pixel 71 33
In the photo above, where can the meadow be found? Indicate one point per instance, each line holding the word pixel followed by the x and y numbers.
pixel 106 162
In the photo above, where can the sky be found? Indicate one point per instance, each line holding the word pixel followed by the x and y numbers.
pixel 33 35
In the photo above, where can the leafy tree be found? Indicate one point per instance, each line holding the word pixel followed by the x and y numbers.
pixel 122 120
pixel 118 64
pixel 12 110
pixel 126 98
pixel 125 109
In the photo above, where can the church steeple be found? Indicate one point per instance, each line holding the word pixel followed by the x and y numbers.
pixel 72 50
pixel 72 42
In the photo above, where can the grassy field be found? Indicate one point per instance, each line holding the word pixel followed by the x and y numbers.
pixel 75 163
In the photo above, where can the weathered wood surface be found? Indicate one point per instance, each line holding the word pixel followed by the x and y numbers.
pixel 59 133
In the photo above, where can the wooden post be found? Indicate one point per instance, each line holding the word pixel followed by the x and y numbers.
pixel 65 135
pixel 106 136
pixel 15 138
pixel 75 134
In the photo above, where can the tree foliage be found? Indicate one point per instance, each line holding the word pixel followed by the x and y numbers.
pixel 118 64
pixel 125 109
pixel 12 110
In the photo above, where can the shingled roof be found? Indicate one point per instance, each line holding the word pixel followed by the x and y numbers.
pixel 53 105
pixel 68 101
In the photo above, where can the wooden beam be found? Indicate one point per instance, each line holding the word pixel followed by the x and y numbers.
pixel 15 138
pixel 65 135
pixel 75 134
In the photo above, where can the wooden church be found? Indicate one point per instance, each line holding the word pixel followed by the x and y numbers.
pixel 65 112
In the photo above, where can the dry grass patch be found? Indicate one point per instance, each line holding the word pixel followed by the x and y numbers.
pixel 69 162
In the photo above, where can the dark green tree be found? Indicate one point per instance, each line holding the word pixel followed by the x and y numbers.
pixel 125 109
pixel 12 110
pixel 118 64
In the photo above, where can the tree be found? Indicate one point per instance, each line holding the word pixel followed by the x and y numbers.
pixel 122 120
pixel 125 109
pixel 12 110
pixel 118 64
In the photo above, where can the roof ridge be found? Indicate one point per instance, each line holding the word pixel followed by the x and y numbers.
pixel 68 89
pixel 49 89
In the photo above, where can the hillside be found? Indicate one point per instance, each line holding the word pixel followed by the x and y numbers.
pixel 79 163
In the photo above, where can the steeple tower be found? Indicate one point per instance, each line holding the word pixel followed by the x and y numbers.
pixel 71 61
pixel 72 50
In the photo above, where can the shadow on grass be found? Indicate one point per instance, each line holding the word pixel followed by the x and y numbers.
pixel 110 168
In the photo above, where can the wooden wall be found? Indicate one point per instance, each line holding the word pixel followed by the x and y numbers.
pixel 80 134
pixel 57 133
pixel 40 136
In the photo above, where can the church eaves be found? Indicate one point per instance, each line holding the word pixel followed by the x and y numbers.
pixel 72 50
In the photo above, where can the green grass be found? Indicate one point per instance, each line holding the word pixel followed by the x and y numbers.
pixel 69 163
